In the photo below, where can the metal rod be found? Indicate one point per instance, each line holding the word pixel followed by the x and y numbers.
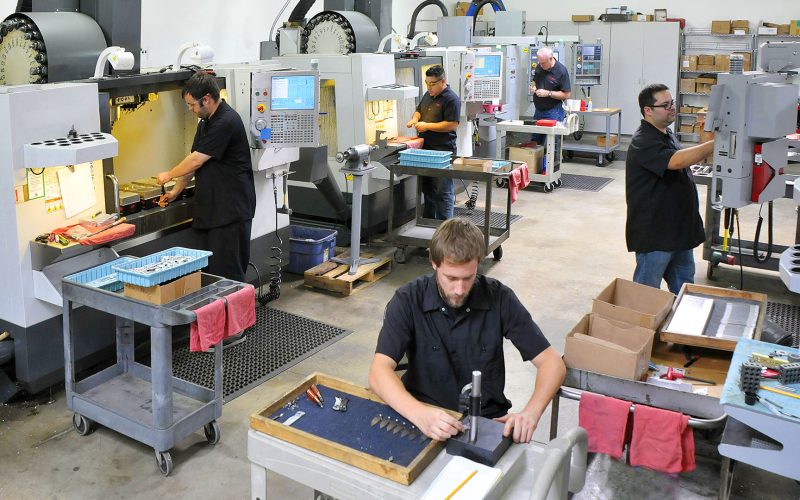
pixel 474 406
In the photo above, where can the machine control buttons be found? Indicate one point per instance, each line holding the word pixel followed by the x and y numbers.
pixel 261 108
pixel 260 124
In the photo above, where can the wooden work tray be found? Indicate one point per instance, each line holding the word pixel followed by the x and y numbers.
pixel 355 427
pixel 712 364
pixel 726 344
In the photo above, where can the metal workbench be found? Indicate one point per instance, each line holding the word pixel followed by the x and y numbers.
pixel 418 232
pixel 146 403
pixel 606 152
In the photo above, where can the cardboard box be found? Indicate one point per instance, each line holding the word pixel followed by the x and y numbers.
pixel 686 128
pixel 740 24
pixel 610 347
pixel 722 62
pixel 703 88
pixel 687 109
pixel 462 7
pixel 601 140
pixel 783 29
pixel 166 292
pixel 582 18
pixel 472 164
pixel 688 63
pixel 532 156
pixel 705 59
pixel 633 303
pixel 794 27
pixel 706 67
pixel 721 27
pixel 687 85
pixel 746 63
pixel 706 80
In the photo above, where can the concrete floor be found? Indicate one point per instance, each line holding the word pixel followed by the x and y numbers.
pixel 566 248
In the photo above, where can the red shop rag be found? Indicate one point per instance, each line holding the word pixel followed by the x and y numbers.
pixel 241 312
pixel 519 179
pixel 662 440
pixel 606 421
pixel 209 328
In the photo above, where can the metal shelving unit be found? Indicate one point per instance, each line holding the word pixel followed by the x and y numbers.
pixel 695 41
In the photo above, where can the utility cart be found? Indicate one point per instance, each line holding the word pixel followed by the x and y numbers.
pixel 418 232
pixel 550 176
pixel 607 142
pixel 146 403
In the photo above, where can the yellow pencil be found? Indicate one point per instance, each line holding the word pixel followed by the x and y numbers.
pixel 452 493
pixel 778 391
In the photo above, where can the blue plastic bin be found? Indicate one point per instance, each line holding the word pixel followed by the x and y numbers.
pixel 102 276
pixel 309 247
pixel 129 272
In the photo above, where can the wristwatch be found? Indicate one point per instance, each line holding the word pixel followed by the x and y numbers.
pixel 550 94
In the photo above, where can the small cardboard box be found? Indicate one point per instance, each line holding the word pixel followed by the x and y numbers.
pixel 721 27
pixel 794 27
pixel 706 80
pixel 582 18
pixel 601 140
pixel 687 110
pixel 688 63
pixel 703 88
pixel 783 29
pixel 740 24
pixel 706 67
pixel 687 128
pixel 705 59
pixel 722 62
pixel 472 164
pixel 610 347
pixel 633 303
pixel 531 156
pixel 687 85
pixel 167 292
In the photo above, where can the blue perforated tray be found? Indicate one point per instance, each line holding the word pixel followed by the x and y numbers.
pixel 102 276
pixel 422 162
pixel 126 272
pixel 429 153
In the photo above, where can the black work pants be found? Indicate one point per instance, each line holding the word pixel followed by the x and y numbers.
pixel 231 247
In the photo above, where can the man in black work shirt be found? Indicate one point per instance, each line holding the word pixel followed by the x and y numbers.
pixel 550 87
pixel 225 196
pixel 436 121
pixel 664 222
pixel 451 323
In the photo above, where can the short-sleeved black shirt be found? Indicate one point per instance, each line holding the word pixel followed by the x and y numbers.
pixel 224 188
pixel 445 107
pixel 663 211
pixel 445 345
pixel 555 79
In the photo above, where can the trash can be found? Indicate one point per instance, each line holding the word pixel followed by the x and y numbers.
pixel 309 247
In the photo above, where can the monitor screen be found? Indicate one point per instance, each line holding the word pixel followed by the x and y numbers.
pixel 296 92
pixel 487 65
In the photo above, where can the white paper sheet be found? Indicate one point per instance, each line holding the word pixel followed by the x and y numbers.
pixel 458 469
pixel 77 189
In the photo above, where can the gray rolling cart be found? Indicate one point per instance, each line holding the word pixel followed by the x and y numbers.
pixel 606 152
pixel 418 232
pixel 148 404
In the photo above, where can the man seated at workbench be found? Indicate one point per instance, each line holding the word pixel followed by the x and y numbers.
pixel 450 323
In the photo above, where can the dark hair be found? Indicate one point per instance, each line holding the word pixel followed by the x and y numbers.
pixel 646 95
pixel 435 71
pixel 201 84
pixel 457 240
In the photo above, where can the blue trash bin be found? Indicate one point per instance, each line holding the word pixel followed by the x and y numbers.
pixel 309 247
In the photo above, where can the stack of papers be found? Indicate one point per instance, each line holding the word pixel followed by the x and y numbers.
pixel 455 473
pixel 691 315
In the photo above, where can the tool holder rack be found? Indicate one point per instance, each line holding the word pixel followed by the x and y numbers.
pixel 146 403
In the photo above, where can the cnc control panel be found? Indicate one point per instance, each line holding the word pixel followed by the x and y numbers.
pixel 284 108
pixel 588 64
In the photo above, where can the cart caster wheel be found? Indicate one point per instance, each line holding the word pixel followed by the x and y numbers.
pixel 548 188
pixel 601 162
pixel 501 183
pixel 497 253
pixel 710 271
pixel 164 462
pixel 611 156
pixel 212 432
pixel 82 425
pixel 558 183
pixel 569 154
pixel 400 255
pixel 577 135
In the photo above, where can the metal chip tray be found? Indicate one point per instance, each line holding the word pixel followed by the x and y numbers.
pixel 206 295
pixel 102 276
pixel 158 268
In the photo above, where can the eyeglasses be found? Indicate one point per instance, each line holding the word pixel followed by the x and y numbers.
pixel 666 105
pixel 431 84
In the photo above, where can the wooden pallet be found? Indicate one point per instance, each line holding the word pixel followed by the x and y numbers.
pixel 335 278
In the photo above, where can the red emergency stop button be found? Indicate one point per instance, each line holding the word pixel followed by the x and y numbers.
pixel 261 108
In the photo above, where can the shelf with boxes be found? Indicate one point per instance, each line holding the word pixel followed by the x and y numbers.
pixel 705 53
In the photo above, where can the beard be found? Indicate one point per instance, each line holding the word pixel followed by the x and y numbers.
pixel 452 300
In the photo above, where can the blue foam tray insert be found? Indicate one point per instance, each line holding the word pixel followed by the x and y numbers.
pixel 352 428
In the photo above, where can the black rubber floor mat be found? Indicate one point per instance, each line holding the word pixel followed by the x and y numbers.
pixel 277 341
pixel 787 316
pixel 477 215
pixel 584 182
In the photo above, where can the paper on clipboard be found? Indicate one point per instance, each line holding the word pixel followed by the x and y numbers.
pixel 453 475
pixel 77 189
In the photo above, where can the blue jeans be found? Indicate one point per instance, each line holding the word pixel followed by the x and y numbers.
pixel 676 268
pixel 439 197
pixel 554 113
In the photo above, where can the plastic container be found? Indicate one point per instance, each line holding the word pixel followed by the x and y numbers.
pixel 102 276
pixel 425 158
pixel 309 247
pixel 132 273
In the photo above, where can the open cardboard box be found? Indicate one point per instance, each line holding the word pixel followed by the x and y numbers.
pixel 166 292
pixel 472 164
pixel 610 347
pixel 633 303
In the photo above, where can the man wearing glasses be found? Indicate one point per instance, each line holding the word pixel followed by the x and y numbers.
pixel 225 195
pixel 664 223
pixel 550 88
pixel 436 121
